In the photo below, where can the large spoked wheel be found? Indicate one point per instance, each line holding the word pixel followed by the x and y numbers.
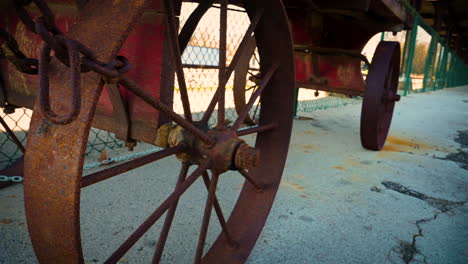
pixel 55 153
pixel 380 95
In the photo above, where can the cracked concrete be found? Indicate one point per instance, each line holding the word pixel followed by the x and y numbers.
pixel 441 204
pixel 337 203
pixel 408 251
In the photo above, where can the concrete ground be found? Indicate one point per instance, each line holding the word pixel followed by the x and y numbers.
pixel 337 203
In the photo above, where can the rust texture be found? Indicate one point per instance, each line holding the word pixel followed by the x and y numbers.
pixel 85 80
pixel 102 26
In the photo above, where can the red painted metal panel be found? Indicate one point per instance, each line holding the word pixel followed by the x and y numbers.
pixel 144 48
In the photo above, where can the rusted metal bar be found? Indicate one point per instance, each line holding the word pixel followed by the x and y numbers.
pixel 176 54
pixel 12 135
pixel 169 217
pixel 265 80
pixel 206 218
pixel 141 230
pixel 315 86
pixel 232 66
pixel 249 178
pixel 145 96
pixel 120 114
pixel 222 64
pixel 218 210
pixel 52 195
pixel 256 129
pixel 197 66
pixel 332 51
pixel 130 165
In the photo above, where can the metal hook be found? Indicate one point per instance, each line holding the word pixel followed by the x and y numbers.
pixel 44 102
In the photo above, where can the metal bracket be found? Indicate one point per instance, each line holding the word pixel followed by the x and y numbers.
pixel 121 115
pixel 332 51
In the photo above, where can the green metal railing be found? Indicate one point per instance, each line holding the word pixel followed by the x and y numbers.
pixel 443 67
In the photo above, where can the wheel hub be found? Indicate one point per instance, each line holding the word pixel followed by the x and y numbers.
pixel 228 153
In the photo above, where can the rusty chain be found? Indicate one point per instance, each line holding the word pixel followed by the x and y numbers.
pixel 11 52
pixel 80 58
pixel 70 52
pixel 4 178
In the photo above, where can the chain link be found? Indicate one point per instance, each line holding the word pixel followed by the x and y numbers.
pixel 11 52
pixel 4 178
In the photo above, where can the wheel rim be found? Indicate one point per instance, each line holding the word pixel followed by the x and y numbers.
pixel 242 75
pixel 380 95
pixel 53 183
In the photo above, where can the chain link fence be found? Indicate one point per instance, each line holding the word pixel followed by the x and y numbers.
pixel 427 64
pixel 201 60
pixel 18 122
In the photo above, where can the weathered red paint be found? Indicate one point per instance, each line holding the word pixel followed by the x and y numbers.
pixel 145 51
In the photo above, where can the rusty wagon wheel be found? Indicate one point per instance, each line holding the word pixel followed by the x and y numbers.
pixel 55 153
pixel 242 75
pixel 380 95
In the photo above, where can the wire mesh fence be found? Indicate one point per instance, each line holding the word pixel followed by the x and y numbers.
pixel 201 60
pixel 18 123
pixel 427 64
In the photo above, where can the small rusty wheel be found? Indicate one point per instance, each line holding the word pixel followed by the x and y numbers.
pixel 242 75
pixel 380 95
pixel 55 153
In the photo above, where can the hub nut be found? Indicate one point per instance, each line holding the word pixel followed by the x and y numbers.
pixel 246 157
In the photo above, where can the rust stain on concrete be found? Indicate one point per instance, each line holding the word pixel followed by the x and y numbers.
pixel 310 133
pixel 292 185
pixel 353 163
pixel 6 221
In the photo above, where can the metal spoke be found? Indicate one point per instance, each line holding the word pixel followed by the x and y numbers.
pixel 176 54
pixel 169 217
pixel 130 165
pixel 256 129
pixel 12 135
pixel 192 22
pixel 219 211
pixel 255 111
pixel 141 230
pixel 206 218
pixel 240 50
pixel 251 87
pixel 249 178
pixel 265 80
pixel 149 99
pixel 256 58
pixel 222 64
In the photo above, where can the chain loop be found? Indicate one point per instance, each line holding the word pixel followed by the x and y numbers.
pixel 44 105
pixel 70 52
pixel 47 15
pixel 4 178
pixel 11 51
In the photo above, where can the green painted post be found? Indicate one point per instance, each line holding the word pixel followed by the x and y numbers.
pixel 449 69
pixel 429 65
pixel 436 68
pixel 404 58
pixel 409 62
pixel 453 70
pixel 441 68
pixel 296 102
